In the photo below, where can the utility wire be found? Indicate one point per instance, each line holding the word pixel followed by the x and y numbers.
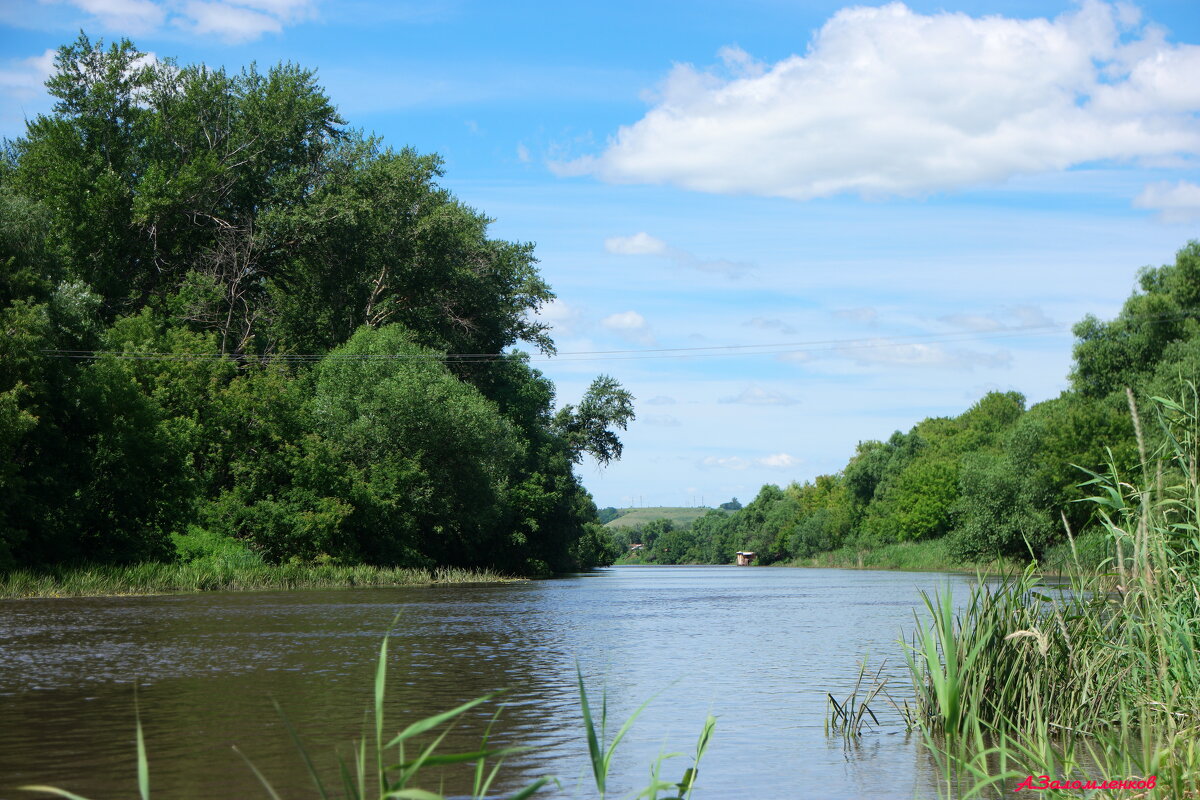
pixel 702 351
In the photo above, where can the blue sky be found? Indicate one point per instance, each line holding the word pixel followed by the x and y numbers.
pixel 888 209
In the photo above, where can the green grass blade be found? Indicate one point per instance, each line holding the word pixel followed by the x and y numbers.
pixel 529 790
pixel 143 766
pixel 421 726
pixel 304 756
pixel 52 790
pixel 261 778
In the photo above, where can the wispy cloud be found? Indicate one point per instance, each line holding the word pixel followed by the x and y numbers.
pixel 773 461
pixel 660 400
pixel 643 244
pixel 766 324
pixel 758 396
pixel 1174 202
pixel 233 21
pixel 887 101
pixel 883 351
pixel 661 420
pixel 1011 319
pixel 862 315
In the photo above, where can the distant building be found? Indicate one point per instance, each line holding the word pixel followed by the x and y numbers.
pixel 633 548
pixel 745 558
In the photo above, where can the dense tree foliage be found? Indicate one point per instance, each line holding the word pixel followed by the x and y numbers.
pixel 229 318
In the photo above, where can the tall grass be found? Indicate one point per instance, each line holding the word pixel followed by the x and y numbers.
pixel 1095 678
pixel 157 578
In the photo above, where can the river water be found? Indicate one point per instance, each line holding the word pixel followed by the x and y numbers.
pixel 757 647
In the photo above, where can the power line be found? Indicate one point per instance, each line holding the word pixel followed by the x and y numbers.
pixel 700 351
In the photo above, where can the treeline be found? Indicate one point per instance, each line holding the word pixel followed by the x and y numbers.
pixel 1000 479
pixel 230 320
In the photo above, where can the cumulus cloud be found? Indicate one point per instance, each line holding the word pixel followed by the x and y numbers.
pixel 643 244
pixel 887 101
pixel 629 325
pixel 233 21
pixel 758 396
pixel 778 461
pixel 1174 202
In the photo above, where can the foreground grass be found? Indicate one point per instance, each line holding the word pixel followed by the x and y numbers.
pixel 1066 691
pixel 156 578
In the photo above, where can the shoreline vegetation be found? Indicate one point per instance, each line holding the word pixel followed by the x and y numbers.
pixel 1083 688
pixel 158 579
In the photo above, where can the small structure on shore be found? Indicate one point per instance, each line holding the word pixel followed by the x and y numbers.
pixel 745 558
pixel 633 548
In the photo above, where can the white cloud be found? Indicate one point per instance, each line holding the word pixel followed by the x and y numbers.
pixel 862 315
pixel 774 461
pixel 1013 318
pixel 629 325
pixel 757 396
pixel 23 79
pixel 563 318
pixel 762 323
pixel 724 462
pixel 661 420
pixel 886 101
pixel 888 352
pixel 1174 202
pixel 233 21
pixel 523 153
pixel 778 461
pixel 640 244
pixel 643 244
pixel 132 16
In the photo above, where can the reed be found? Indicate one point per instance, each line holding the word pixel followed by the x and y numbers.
pixel 1094 679
pixel 160 578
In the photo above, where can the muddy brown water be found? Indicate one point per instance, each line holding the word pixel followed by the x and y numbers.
pixel 758 647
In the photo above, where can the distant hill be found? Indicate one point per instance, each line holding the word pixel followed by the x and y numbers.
pixel 632 517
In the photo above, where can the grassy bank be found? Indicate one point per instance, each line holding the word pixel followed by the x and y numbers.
pixel 142 579
pixel 928 556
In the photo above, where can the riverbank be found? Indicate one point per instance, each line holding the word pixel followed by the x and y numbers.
pixel 152 578
pixel 928 556
pixel 935 555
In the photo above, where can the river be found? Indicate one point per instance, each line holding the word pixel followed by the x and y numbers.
pixel 757 647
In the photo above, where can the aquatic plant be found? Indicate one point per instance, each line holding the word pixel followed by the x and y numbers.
pixel 159 578
pixel 1095 679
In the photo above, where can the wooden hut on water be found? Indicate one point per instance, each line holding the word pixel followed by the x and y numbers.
pixel 745 558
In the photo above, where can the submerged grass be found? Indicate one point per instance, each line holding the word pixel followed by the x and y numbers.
pixel 1066 688
pixel 157 578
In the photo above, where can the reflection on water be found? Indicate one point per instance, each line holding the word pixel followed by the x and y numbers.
pixel 757 647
